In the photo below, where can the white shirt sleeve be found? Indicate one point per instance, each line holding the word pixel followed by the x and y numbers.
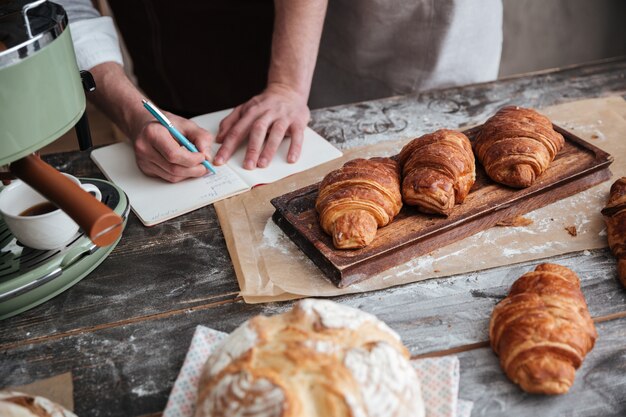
pixel 95 42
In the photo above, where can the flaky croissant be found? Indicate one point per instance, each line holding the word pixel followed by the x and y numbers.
pixel 438 171
pixel 615 218
pixel 516 145
pixel 542 330
pixel 358 198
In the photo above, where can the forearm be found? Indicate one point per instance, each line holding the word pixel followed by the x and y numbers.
pixel 295 43
pixel 281 109
pixel 156 152
pixel 118 98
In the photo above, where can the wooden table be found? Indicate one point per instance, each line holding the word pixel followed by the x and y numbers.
pixel 123 331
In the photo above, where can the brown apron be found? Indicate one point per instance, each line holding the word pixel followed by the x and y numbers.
pixel 194 57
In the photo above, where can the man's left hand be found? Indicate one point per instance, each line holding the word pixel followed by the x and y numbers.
pixel 265 120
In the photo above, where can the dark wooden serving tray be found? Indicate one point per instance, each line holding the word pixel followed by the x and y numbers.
pixel 577 167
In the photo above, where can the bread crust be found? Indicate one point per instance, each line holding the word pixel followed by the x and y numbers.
pixel 542 330
pixel 615 219
pixel 438 171
pixel 319 359
pixel 517 145
pixel 358 198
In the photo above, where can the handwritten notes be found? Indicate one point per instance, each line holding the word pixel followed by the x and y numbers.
pixel 154 200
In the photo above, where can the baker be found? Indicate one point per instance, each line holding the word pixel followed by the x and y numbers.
pixel 259 57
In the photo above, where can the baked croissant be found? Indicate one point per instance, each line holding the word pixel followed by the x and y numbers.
pixel 516 145
pixel 438 171
pixel 615 218
pixel 542 330
pixel 358 198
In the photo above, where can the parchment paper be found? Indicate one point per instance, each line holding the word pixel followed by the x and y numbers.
pixel 58 389
pixel 270 267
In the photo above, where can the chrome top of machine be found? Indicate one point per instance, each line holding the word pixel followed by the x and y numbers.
pixel 27 27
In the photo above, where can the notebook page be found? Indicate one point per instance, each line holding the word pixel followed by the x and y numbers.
pixel 315 151
pixel 154 200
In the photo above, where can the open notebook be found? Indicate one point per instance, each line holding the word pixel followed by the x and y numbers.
pixel 154 200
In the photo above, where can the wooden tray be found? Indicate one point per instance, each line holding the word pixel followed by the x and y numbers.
pixel 577 167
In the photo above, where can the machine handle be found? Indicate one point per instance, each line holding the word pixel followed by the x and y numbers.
pixel 98 221
pixel 25 10
pixel 83 133
pixel 82 127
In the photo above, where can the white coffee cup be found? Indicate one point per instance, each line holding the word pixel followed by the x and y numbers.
pixel 51 230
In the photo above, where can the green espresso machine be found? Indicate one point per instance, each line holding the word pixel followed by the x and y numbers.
pixel 42 96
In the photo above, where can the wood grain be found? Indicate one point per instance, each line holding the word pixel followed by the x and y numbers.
pixel 111 293
pixel 129 369
pixel 597 391
pixel 175 266
pixel 578 166
pixel 124 354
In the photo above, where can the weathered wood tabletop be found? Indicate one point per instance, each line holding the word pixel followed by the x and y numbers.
pixel 123 331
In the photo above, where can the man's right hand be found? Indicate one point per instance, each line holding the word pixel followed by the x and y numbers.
pixel 158 154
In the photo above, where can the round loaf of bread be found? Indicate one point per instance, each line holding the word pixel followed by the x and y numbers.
pixel 17 404
pixel 320 359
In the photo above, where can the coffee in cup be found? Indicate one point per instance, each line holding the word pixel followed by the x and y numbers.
pixel 35 221
pixel 39 208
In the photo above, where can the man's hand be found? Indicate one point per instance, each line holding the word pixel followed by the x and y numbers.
pixel 158 154
pixel 265 120
pixel 282 108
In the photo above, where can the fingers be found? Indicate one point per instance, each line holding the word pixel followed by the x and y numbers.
pixel 153 170
pixel 200 137
pixel 264 120
pixel 276 136
pixel 227 123
pixel 297 139
pixel 236 134
pixel 158 154
pixel 265 135
pixel 258 134
pixel 173 153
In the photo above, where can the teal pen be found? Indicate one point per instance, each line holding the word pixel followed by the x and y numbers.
pixel 174 132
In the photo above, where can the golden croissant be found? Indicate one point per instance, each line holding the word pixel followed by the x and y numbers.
pixel 542 330
pixel 438 171
pixel 516 145
pixel 358 198
pixel 615 218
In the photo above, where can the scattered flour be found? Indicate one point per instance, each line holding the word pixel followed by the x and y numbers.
pixel 146 389
pixel 418 266
pixel 539 249
pixel 274 237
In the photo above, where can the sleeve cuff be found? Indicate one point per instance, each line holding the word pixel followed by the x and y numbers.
pixel 95 42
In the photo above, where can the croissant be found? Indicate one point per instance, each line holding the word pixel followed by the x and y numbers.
pixel 358 198
pixel 438 171
pixel 516 145
pixel 615 218
pixel 542 330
